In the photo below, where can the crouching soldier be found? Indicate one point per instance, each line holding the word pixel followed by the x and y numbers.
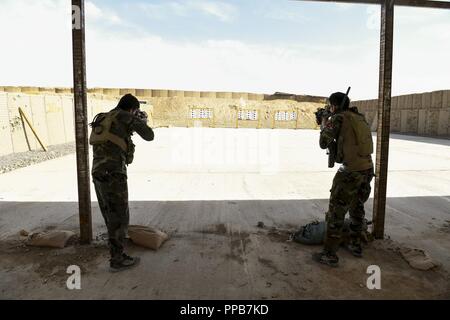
pixel 113 151
pixel 349 132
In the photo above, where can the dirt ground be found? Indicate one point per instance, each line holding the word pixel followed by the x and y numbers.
pixel 217 262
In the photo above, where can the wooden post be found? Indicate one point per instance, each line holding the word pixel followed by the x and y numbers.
pixel 384 112
pixel 24 129
pixel 24 116
pixel 81 126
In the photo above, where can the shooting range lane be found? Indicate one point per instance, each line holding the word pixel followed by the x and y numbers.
pixel 197 183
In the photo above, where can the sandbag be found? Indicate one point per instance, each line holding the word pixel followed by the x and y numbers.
pixel 52 239
pixel 418 259
pixel 147 237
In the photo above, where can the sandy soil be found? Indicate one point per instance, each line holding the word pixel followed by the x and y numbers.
pixel 228 261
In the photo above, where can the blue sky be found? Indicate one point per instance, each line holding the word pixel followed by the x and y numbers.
pixel 248 20
pixel 248 45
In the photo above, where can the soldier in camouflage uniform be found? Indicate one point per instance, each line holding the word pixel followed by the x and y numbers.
pixel 351 185
pixel 113 150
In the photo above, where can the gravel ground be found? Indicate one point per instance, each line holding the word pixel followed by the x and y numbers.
pixel 23 159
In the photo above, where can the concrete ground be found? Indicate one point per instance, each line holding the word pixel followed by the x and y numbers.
pixel 209 188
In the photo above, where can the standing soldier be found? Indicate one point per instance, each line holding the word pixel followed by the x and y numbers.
pixel 113 152
pixel 346 133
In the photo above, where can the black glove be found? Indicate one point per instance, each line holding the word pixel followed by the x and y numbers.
pixel 142 115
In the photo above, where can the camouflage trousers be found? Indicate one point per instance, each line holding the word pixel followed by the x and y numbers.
pixel 349 192
pixel 112 195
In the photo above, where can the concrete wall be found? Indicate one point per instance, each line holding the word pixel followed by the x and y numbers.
pixel 426 114
pixel 161 93
pixel 51 115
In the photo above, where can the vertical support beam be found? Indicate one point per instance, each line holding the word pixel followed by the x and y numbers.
pixel 384 111
pixel 81 126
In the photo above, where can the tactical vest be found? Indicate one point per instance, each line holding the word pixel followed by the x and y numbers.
pixel 354 144
pixel 101 130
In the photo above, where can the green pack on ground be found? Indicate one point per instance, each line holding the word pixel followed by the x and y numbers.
pixel 314 233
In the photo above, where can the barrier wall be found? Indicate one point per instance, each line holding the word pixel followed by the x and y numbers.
pixel 176 111
pixel 426 114
pixel 161 93
pixel 51 112
pixel 51 115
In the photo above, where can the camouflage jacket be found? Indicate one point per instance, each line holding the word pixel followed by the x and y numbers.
pixel 109 157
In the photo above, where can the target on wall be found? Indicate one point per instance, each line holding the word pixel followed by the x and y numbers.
pixel 200 113
pixel 285 116
pixel 247 115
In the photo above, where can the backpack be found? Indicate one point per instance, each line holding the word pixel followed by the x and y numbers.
pixel 101 130
pixel 315 232
pixel 362 133
pixel 312 233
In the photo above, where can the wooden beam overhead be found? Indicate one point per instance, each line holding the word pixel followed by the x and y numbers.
pixel 403 3
pixel 423 4
pixel 345 1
